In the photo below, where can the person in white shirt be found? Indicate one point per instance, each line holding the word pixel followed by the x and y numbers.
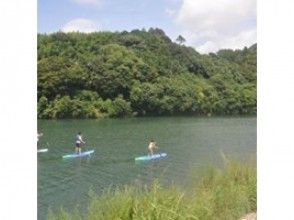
pixel 79 142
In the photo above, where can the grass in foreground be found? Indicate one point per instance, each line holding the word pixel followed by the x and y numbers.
pixel 222 194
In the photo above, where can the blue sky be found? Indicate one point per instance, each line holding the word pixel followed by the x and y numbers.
pixel 207 25
pixel 114 15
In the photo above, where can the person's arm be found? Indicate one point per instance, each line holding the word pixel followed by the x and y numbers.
pixel 82 140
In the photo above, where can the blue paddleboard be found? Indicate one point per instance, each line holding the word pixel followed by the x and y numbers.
pixel 83 154
pixel 154 156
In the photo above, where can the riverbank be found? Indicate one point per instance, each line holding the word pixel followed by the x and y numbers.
pixel 228 193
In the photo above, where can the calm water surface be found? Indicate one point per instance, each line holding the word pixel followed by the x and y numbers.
pixel 190 143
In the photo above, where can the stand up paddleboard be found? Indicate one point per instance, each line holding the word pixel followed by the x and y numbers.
pixel 154 156
pixel 42 150
pixel 83 154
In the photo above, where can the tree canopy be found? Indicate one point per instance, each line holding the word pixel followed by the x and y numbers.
pixel 141 72
pixel 180 39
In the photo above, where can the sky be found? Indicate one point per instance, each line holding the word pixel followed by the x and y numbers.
pixel 207 25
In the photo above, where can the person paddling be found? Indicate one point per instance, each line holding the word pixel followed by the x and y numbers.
pixel 79 142
pixel 151 147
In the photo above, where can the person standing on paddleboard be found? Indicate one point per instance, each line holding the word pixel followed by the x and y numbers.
pixel 39 135
pixel 151 147
pixel 79 142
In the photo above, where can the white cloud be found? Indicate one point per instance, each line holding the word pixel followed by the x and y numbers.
pixel 239 41
pixel 210 25
pixel 88 2
pixel 81 25
pixel 170 12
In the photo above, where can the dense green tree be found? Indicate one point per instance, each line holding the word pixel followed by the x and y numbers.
pixel 106 74
pixel 113 72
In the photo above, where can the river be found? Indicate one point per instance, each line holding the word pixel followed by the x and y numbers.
pixel 190 143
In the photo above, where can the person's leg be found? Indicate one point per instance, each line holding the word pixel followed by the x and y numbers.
pixel 77 148
pixel 151 151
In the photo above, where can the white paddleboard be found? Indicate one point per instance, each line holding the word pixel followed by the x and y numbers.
pixel 42 150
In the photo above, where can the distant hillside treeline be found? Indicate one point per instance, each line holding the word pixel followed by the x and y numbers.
pixel 107 74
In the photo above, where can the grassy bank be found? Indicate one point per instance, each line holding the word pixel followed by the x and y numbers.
pixel 226 194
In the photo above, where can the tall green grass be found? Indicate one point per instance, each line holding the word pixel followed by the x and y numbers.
pixel 221 194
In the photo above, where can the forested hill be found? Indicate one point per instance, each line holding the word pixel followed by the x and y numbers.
pixel 117 74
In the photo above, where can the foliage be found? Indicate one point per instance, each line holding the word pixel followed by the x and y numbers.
pixel 141 72
pixel 180 39
pixel 224 194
